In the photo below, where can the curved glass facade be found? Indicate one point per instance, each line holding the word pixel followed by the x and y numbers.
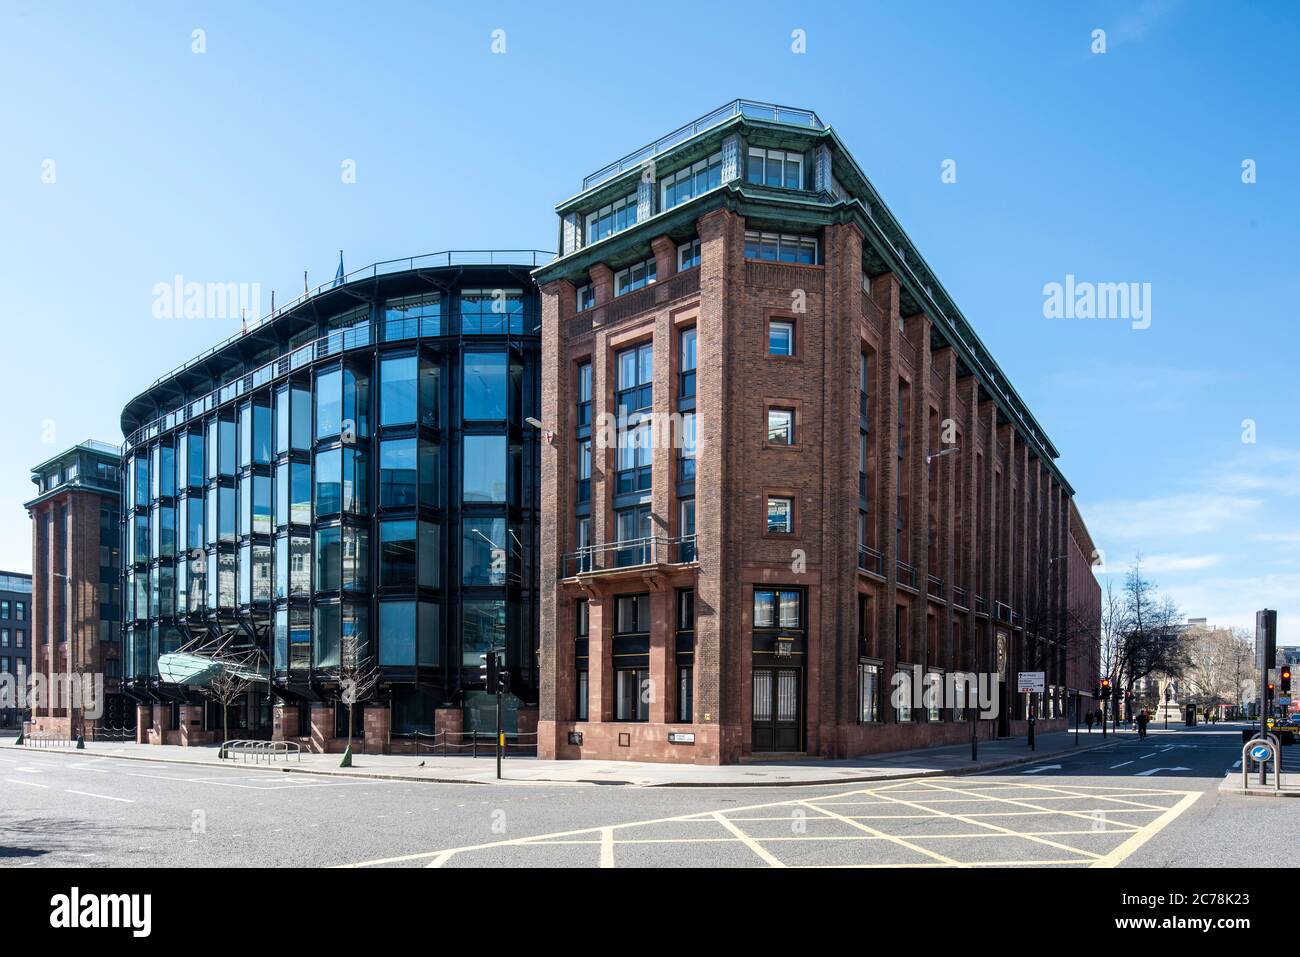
pixel 347 485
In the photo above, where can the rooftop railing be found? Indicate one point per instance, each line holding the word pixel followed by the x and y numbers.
pixel 751 108
pixel 531 258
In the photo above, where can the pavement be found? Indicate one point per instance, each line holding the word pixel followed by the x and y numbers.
pixel 1155 802
pixel 897 765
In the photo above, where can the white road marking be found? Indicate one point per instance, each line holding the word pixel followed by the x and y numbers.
pixel 1120 765
pixel 106 797
pixel 1151 771
pixel 1042 767
pixel 30 784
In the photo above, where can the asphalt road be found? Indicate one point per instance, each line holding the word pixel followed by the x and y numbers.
pixel 1148 803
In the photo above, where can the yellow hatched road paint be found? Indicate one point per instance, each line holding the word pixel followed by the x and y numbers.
pixel 1017 806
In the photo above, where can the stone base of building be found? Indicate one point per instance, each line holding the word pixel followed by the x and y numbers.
pixel 62 726
pixel 715 744
pixel 152 720
pixel 638 741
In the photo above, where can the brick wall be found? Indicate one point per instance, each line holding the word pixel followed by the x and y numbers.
pixel 986 519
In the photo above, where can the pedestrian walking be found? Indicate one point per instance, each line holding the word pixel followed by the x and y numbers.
pixel 1142 723
pixel 1090 722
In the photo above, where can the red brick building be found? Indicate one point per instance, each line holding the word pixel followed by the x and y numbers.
pixel 781 469
pixel 75 613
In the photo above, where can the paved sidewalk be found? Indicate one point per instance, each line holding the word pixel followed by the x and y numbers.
pixel 947 760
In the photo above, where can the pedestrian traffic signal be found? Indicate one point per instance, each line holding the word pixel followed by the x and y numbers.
pixel 1286 679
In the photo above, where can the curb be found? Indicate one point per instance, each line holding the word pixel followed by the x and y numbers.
pixel 980 768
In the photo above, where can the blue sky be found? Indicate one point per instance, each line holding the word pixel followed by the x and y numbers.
pixel 224 166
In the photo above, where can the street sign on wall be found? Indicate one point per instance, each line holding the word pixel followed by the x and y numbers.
pixel 1034 682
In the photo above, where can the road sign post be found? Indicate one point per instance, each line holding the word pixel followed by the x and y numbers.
pixel 1031 682
pixel 1261 750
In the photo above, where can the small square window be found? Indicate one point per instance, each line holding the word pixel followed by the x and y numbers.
pixel 780 515
pixel 780 338
pixel 780 426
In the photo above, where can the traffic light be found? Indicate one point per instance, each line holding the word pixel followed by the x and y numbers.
pixel 488 670
pixel 1269 691
pixel 1286 679
pixel 503 681
pixel 1105 689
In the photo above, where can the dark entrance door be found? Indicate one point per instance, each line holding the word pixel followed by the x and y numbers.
pixel 778 712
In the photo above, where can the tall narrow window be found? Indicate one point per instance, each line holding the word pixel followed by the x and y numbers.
pixel 485 386
pixel 397 390
pixel 584 471
pixel 686 388
pixel 584 394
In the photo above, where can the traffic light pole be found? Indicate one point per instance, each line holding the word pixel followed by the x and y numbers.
pixel 498 730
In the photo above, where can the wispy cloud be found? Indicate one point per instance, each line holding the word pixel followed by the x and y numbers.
pixel 1134 26
pixel 1156 564
pixel 1233 601
pixel 1124 386
pixel 1162 517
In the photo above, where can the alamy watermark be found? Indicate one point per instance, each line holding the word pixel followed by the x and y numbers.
pixel 932 690
pixel 1076 299
pixel 179 299
pixel 83 691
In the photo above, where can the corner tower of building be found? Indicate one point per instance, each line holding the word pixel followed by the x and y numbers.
pixel 75 605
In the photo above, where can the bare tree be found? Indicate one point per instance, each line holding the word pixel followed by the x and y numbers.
pixel 1114 628
pixel 1214 666
pixel 1151 634
pixel 358 681
pixel 1243 660
pixel 225 688
pixel 357 684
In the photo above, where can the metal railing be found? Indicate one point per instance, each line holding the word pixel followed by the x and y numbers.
pixel 633 553
pixel 48 739
pixel 934 586
pixel 870 560
pixel 270 750
pixel 906 573
pixel 356 336
pixel 959 596
pixel 751 108
pixel 429 260
pixel 112 734
pixel 479 742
